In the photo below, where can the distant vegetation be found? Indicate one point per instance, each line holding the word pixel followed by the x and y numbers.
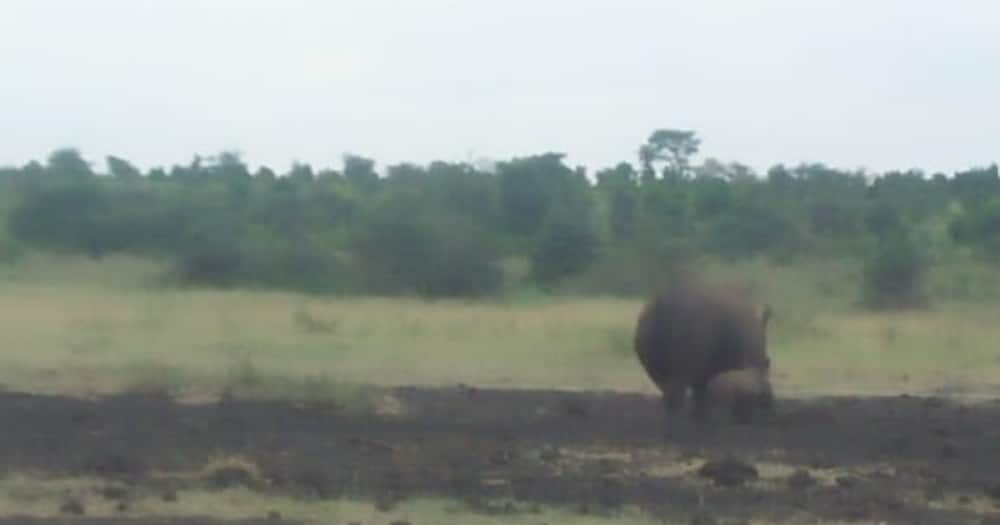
pixel 444 229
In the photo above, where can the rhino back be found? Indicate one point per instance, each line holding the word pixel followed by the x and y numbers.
pixel 682 334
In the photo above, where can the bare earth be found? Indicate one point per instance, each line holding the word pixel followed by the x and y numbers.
pixel 897 459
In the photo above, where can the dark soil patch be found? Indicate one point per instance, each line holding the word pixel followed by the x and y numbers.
pixel 317 483
pixel 728 472
pixel 73 507
pixel 801 479
pixel 483 446
pixel 114 492
pixel 169 496
pixel 114 465
pixel 704 518
pixel 232 476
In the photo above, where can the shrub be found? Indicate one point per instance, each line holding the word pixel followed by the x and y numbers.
pixel 64 217
pixel 634 270
pixel 11 251
pixel 980 228
pixel 894 273
pixel 210 264
pixel 749 231
pixel 435 255
pixel 567 245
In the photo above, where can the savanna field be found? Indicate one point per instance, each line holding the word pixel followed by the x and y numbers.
pixel 130 399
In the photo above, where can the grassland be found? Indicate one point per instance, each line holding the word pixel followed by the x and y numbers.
pixel 83 327
pixel 79 327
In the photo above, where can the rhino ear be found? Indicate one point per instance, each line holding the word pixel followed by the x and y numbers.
pixel 765 316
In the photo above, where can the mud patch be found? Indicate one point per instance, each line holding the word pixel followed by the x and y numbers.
pixel 729 472
pixel 878 459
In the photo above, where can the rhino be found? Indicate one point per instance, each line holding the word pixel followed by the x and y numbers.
pixel 692 332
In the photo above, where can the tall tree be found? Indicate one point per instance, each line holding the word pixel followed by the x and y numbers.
pixel 301 173
pixel 360 172
pixel 68 162
pixel 672 146
pixel 529 186
pixel 619 187
pixel 121 169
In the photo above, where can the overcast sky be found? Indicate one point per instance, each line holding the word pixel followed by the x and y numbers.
pixel 880 84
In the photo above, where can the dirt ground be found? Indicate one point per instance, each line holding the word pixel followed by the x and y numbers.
pixel 898 460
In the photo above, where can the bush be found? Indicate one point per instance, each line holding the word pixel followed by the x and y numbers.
pixel 88 217
pixel 260 259
pixel 882 218
pixel 66 217
pixel 567 245
pixel 210 264
pixel 463 262
pixel 11 251
pixel 631 273
pixel 749 231
pixel 437 255
pixel 980 228
pixel 894 273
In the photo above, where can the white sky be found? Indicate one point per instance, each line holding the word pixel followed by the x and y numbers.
pixel 879 84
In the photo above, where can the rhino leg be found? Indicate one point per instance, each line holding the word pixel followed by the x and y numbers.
pixel 765 403
pixel 700 410
pixel 673 398
pixel 744 409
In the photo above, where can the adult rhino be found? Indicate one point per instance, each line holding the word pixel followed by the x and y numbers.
pixel 692 332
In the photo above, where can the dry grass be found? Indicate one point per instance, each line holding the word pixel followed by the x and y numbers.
pixel 38 497
pixel 84 331
pixel 32 496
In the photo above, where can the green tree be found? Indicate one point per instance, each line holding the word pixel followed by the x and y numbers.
pixel 748 230
pixel 979 227
pixel 404 247
pixel 467 192
pixel 977 186
pixel 66 218
pixel 158 174
pixel 229 165
pixel 834 201
pixel 301 173
pixel 531 186
pixel 122 169
pixel 672 146
pixel 711 197
pixel 68 162
pixel 265 174
pixel 568 243
pixel 360 172
pixel 619 187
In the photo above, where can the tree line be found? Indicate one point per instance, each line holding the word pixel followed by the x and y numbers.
pixel 446 229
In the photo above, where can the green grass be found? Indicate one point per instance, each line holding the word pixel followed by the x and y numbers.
pixel 82 326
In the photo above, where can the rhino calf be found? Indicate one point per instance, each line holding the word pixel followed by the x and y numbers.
pixel 746 391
